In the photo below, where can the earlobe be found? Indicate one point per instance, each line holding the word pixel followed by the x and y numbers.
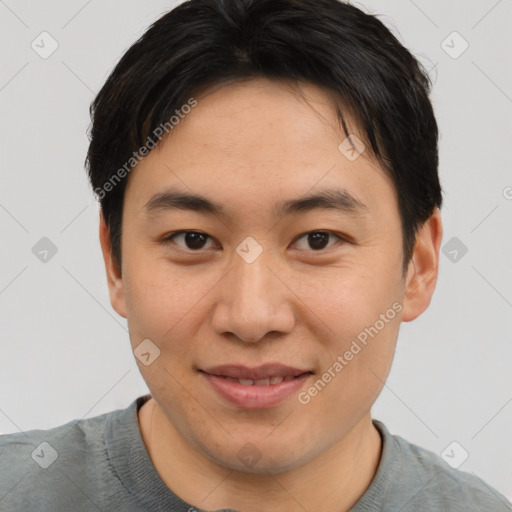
pixel 114 278
pixel 422 273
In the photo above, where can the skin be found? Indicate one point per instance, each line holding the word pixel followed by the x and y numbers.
pixel 248 145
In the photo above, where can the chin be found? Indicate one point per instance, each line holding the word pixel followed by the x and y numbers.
pixel 255 459
pixel 262 467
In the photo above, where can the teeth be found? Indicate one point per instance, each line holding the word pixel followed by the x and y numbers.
pixel 246 382
pixel 264 382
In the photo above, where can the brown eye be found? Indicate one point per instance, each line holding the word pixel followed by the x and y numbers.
pixel 318 240
pixel 193 240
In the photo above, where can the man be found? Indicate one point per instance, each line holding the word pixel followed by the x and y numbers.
pixel 267 175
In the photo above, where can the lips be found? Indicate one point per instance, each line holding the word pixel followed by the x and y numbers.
pixel 255 388
pixel 259 376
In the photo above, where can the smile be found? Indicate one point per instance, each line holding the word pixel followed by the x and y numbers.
pixel 269 381
pixel 255 388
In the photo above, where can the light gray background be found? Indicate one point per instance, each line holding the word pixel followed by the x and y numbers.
pixel 65 353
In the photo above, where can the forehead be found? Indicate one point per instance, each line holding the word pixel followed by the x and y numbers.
pixel 252 112
pixel 260 140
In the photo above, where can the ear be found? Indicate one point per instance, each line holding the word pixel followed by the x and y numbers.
pixel 421 278
pixel 114 279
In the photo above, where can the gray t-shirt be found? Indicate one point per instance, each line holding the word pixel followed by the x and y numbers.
pixel 101 463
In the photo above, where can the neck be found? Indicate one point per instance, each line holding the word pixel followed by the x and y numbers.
pixel 332 482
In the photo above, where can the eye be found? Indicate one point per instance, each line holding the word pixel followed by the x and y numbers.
pixel 318 240
pixel 194 240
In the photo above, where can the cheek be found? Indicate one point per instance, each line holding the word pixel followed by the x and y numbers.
pixel 353 375
pixel 362 312
pixel 348 298
pixel 154 292
pixel 163 301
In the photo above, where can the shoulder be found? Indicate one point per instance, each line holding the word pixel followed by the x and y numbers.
pixel 42 446
pixel 429 483
pixel 40 467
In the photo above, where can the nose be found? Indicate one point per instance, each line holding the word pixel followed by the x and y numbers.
pixel 253 301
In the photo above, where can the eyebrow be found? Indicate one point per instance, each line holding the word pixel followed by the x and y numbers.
pixel 326 199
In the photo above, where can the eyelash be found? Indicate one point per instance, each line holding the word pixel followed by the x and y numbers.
pixel 169 239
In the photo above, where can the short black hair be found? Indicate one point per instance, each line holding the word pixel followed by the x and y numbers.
pixel 329 43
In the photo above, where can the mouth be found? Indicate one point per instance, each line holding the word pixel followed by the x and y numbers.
pixel 255 388
pixel 264 375
pixel 267 381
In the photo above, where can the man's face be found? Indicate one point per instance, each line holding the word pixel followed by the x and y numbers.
pixel 217 301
